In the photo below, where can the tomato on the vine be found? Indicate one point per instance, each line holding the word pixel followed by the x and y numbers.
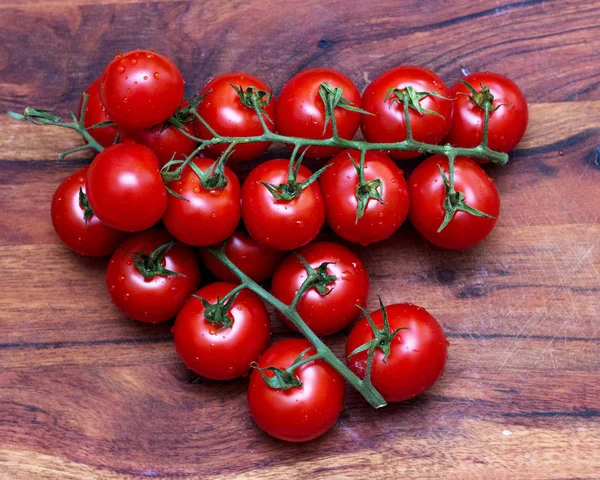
pixel 254 259
pixel 428 193
pixel 507 118
pixel 430 115
pixel 383 179
pixel 304 411
pixel 406 362
pixel 125 188
pixel 141 89
pixel 94 114
pixel 275 222
pixel 301 111
pixel 217 335
pixel 209 214
pixel 229 111
pixel 339 283
pixel 75 223
pixel 150 276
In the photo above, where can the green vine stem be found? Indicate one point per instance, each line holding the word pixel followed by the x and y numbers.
pixel 364 387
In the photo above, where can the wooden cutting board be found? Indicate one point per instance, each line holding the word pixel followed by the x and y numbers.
pixel 86 393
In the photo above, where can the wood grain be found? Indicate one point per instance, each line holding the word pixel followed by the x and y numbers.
pixel 85 393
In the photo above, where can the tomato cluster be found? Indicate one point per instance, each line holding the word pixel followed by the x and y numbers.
pixel 163 185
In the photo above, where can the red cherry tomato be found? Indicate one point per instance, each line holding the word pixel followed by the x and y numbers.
pixel 159 297
pixel 300 413
pixel 281 224
pixel 141 89
pixel 210 215
pixel 217 351
pixel 252 258
pixel 427 195
pixel 125 188
pixel 417 355
pixel 348 287
pixel 94 114
pixel 223 110
pixel 301 111
pixel 507 124
pixel 387 125
pixel 339 186
pixel 91 238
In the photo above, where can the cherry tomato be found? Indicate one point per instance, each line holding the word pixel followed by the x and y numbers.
pixel 339 185
pixel 90 237
pixel 223 110
pixel 165 140
pixel 141 89
pixel 157 297
pixel 300 413
pixel 252 258
pixel 222 352
pixel 301 111
pixel 507 123
pixel 209 215
pixel 94 114
pixel 345 285
pixel 387 124
pixel 281 224
pixel 427 195
pixel 417 355
pixel 125 188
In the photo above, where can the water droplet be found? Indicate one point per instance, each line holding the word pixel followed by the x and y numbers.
pixel 80 179
pixel 134 61
pixel 173 289
pixel 112 288
pixel 125 100
pixel 346 275
pixel 118 55
pixel 196 190
pixel 121 69
pixel 145 77
pixel 129 262
pixel 59 199
pixel 129 90
pixel 300 223
pixel 121 278
pixel 214 193
pixel 354 264
pixel 126 77
pixel 393 180
pixel 126 297
pixel 213 215
pixel 239 308
pixel 149 56
pixel 156 75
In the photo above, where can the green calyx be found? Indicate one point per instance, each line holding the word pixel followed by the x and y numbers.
pixel 318 279
pixel 218 313
pixel 254 98
pixel 85 206
pixel 408 95
pixel 482 98
pixel 284 379
pixel 365 190
pixel 186 114
pixel 151 265
pixel 333 98
pixel 292 189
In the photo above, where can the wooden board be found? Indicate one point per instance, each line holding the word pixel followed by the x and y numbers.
pixel 85 393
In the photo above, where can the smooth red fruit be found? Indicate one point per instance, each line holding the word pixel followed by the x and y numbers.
pixel 380 220
pixel 125 188
pixel 301 111
pixel 334 311
pixel 387 124
pixel 507 124
pixel 94 238
pixel 417 355
pixel 229 117
pixel 210 215
pixel 141 89
pixel 95 113
pixel 216 353
pixel 252 258
pixel 281 224
pixel 157 299
pixel 427 195
pixel 300 413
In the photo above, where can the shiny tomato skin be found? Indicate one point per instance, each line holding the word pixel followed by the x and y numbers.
pixel 161 297
pixel 333 312
pixel 167 142
pixel 301 413
pixel 94 239
pixel 225 354
pixel 141 89
pixel 209 216
pixel 380 220
pixel 125 188
pixel 281 224
pixel 427 196
pixel 255 260
pixel 417 355
pixel 225 113
pixel 507 124
pixel 301 112
pixel 387 125
pixel 96 113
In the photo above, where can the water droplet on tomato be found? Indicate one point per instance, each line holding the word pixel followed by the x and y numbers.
pixel 125 100
pixel 156 75
pixel 145 77
pixel 346 275
pixel 129 90
pixel 134 61
pixel 300 223
pixel 135 83
pixel 196 190
pixel 126 297
pixel 121 69
pixel 121 278
pixel 239 308
pixel 112 288
pixel 118 55
pixel 149 56
pixel 80 179
pixel 126 77
pixel 213 215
